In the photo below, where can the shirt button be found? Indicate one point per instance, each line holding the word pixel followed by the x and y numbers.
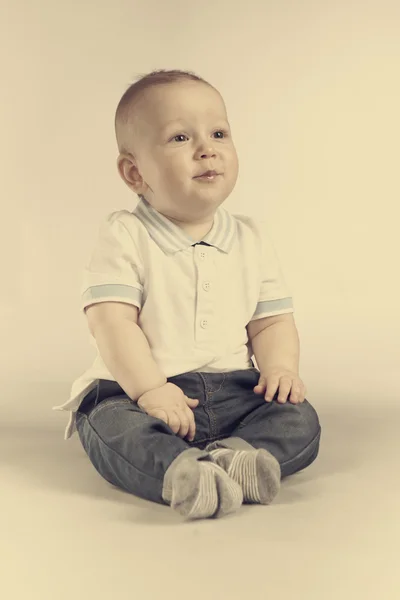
pixel 206 286
pixel 204 323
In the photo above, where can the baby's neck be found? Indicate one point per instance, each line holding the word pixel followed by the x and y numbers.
pixel 196 231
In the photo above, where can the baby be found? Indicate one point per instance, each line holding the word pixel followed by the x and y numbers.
pixel 179 295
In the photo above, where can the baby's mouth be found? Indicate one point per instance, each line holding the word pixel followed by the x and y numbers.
pixel 208 175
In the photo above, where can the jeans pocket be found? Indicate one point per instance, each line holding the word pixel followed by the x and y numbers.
pixel 115 402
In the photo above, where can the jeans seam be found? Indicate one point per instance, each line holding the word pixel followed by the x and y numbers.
pixel 209 394
pixel 119 455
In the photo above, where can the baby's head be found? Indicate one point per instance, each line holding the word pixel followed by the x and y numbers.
pixel 172 126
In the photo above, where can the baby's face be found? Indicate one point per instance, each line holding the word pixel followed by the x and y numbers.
pixel 183 131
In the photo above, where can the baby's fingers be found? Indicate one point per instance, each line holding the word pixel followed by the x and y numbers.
pixel 192 426
pixel 191 402
pixel 184 427
pixel 174 422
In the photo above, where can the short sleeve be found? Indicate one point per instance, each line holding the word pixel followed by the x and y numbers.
pixel 113 270
pixel 275 297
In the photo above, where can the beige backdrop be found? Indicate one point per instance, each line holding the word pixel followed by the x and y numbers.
pixel 313 95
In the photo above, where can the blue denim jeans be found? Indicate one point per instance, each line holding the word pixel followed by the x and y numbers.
pixel 133 450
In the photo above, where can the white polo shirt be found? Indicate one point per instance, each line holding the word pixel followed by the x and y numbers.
pixel 194 301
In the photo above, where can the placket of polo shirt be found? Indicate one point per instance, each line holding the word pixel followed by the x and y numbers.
pixel 205 332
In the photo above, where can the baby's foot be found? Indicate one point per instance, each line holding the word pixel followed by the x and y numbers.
pixel 256 471
pixel 200 489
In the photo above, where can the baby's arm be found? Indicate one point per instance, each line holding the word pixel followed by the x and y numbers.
pixel 124 347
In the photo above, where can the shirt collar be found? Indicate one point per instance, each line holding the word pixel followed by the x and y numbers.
pixel 171 238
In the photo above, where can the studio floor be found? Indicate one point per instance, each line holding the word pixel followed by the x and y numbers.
pixel 332 533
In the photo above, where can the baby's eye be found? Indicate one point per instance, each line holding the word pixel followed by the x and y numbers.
pixel 223 133
pixel 178 136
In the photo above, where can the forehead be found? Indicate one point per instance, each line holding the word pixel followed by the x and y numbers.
pixel 165 105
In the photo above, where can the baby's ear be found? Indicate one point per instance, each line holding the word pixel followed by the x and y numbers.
pixel 127 168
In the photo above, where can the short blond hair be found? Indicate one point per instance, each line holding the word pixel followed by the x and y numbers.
pixel 134 92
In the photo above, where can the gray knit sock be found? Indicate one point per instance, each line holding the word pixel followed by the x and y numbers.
pixel 256 471
pixel 198 489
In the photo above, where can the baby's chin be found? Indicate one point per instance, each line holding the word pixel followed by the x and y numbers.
pixel 205 200
pixel 212 192
pixel 197 196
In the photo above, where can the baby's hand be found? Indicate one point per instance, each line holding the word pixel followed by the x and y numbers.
pixel 286 381
pixel 170 404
